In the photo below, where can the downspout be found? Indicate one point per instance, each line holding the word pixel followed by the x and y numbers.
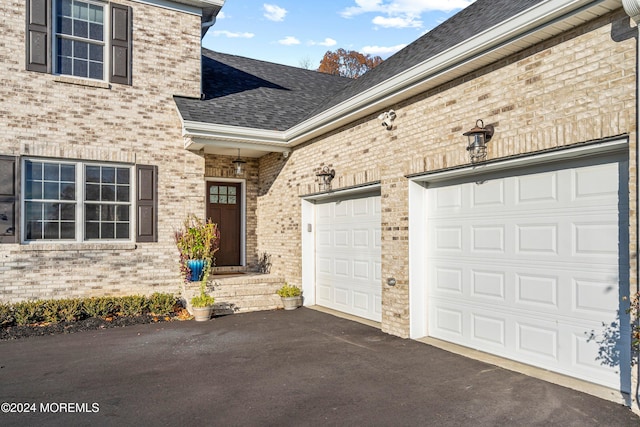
pixel 204 27
pixel 632 8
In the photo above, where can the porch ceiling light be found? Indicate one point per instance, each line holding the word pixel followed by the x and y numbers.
pixel 326 174
pixel 478 138
pixel 238 165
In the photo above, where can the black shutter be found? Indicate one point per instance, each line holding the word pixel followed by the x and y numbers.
pixel 38 38
pixel 9 199
pixel 147 203
pixel 120 45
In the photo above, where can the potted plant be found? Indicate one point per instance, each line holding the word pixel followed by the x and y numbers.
pixel 291 296
pixel 197 243
pixel 202 305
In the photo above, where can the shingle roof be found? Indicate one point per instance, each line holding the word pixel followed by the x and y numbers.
pixel 246 92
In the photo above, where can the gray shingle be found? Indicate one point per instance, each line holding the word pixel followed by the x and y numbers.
pixel 245 92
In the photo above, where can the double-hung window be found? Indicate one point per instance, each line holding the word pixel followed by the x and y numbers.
pixel 80 38
pixel 77 201
pixel 79 29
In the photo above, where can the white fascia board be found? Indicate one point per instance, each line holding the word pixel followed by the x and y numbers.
pixel 392 89
pixel 232 133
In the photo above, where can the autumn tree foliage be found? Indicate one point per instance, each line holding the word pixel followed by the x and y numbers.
pixel 348 63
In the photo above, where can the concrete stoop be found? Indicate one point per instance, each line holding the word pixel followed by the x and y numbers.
pixel 238 293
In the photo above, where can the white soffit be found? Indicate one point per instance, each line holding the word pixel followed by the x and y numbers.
pixel 532 26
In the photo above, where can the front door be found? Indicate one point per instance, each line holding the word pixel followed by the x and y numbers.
pixel 223 207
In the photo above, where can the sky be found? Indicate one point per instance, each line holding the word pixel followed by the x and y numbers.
pixel 300 32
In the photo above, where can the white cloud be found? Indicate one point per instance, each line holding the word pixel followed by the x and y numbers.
pixel 402 13
pixel 273 12
pixel 289 41
pixel 326 42
pixel 400 7
pixel 381 50
pixel 220 15
pixel 397 22
pixel 232 35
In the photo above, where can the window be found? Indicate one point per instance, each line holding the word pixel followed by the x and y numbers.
pixel 57 208
pixel 74 201
pixel 81 38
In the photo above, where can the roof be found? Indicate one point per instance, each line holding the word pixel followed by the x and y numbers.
pixel 271 107
pixel 246 92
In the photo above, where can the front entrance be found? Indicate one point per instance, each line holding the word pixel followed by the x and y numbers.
pixel 224 208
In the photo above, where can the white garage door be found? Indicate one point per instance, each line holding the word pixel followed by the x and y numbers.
pixel 348 256
pixel 533 267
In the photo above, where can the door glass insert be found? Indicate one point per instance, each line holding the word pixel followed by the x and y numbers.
pixel 223 194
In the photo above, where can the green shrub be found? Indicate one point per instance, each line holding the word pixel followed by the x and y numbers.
pixel 6 314
pixel 161 304
pixel 58 310
pixel 99 306
pixel 50 310
pixel 287 291
pixel 28 312
pixel 134 305
pixel 70 309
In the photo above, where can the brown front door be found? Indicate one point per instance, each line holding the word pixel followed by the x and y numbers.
pixel 223 207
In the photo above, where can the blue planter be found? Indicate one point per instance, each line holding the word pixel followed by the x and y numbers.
pixel 196 266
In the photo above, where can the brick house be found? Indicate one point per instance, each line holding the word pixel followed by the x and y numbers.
pixel 524 251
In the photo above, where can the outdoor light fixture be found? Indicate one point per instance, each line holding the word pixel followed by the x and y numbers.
pixel 238 165
pixel 387 119
pixel 478 138
pixel 327 175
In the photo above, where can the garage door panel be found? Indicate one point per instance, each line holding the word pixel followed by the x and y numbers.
pixel 538 341
pixel 529 267
pixel 352 276
pixel 490 329
pixel 490 194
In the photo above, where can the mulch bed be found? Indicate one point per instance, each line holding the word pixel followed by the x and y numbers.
pixel 90 324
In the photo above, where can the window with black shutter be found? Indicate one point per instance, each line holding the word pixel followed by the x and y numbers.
pixel 70 37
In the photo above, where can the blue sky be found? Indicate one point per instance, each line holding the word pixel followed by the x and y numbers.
pixel 299 32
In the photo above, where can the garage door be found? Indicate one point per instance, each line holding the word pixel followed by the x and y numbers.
pixel 533 267
pixel 348 256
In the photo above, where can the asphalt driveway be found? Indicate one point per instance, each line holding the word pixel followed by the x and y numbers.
pixel 276 368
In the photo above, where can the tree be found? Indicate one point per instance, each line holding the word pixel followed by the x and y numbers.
pixel 348 63
pixel 306 63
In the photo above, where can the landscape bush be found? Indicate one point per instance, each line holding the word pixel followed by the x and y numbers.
pixel 72 309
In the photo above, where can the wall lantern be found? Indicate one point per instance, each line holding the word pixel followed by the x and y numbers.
pixel 238 165
pixel 478 138
pixel 327 175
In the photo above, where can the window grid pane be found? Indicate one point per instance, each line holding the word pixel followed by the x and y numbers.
pixel 80 37
pixel 49 201
pixel 107 203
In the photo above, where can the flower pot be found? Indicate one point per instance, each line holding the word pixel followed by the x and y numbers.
pixel 291 303
pixel 202 314
pixel 196 266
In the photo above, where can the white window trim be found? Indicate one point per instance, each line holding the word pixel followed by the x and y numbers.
pixel 79 201
pixel 105 42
